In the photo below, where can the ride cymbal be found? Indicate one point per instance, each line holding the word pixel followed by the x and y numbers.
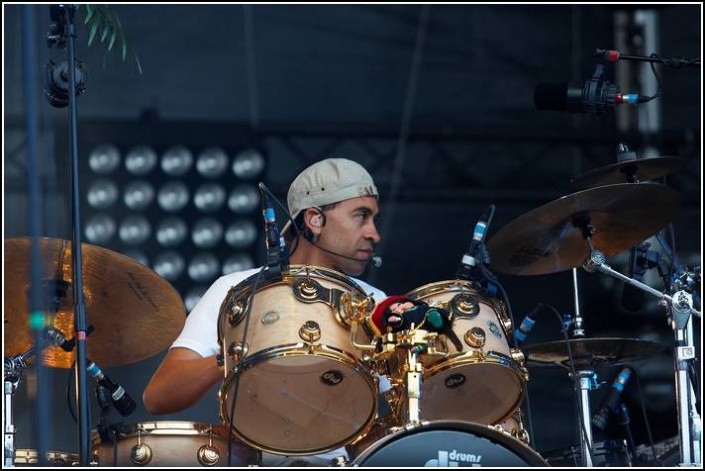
pixel 551 238
pixel 629 171
pixel 591 352
pixel 135 312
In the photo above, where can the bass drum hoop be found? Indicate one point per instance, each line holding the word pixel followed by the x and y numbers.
pixel 521 451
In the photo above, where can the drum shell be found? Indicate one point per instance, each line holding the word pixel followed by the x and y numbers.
pixel 299 393
pixel 485 382
pixel 172 444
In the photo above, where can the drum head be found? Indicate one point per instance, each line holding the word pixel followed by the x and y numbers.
pixel 449 444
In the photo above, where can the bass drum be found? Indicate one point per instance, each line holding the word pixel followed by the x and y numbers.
pixel 302 388
pixel 449 444
pixel 485 382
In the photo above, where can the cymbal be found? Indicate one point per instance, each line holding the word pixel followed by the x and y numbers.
pixel 135 312
pixel 591 352
pixel 629 171
pixel 550 238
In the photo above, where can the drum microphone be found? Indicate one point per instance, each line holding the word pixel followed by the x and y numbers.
pixel 121 400
pixel 526 325
pixel 610 403
pixel 474 255
pixel 274 242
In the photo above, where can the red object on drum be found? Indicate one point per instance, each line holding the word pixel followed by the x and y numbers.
pixel 378 313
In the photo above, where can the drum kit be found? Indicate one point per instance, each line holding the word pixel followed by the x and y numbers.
pixel 304 364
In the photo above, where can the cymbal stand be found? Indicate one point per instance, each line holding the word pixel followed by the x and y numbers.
pixel 681 313
pixel 586 377
pixel 14 369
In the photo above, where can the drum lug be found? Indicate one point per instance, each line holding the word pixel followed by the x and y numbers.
pixel 208 455
pixel 463 305
pixel 310 331
pixel 237 351
pixel 308 290
pixel 141 454
pixel 475 337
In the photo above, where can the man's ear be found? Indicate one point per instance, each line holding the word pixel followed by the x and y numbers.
pixel 313 220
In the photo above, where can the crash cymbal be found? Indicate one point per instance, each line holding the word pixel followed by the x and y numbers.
pixel 629 171
pixel 135 312
pixel 550 238
pixel 591 352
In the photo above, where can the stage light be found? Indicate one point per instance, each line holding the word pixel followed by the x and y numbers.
pixel 140 160
pixel 207 233
pixel 209 197
pixel 138 195
pixel 177 161
pixel 170 265
pixel 173 196
pixel 135 229
pixel 237 262
pixel 100 228
pixel 244 199
pixel 102 194
pixel 241 234
pixel 104 159
pixel 248 164
pixel 203 267
pixel 171 232
pixel 212 162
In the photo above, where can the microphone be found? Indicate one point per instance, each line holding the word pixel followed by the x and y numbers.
pixel 595 96
pixel 599 420
pixel 474 256
pixel 526 325
pixel 121 400
pixel 375 259
pixel 274 243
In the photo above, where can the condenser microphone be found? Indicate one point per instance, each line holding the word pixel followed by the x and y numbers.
pixel 593 96
pixel 473 257
pixel 375 260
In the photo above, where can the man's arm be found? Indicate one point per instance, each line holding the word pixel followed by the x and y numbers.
pixel 180 381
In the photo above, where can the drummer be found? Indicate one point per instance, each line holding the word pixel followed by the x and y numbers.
pixel 334 205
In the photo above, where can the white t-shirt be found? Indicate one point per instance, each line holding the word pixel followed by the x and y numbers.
pixel 200 334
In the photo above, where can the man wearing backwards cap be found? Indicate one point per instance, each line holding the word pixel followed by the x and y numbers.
pixel 334 204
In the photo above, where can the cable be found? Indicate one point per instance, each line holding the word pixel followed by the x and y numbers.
pixel 646 418
pixel 250 302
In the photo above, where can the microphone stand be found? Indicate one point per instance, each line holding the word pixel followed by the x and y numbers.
pixel 680 306
pixel 615 56
pixel 66 26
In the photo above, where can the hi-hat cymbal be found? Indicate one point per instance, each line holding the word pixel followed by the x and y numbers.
pixel 135 312
pixel 551 238
pixel 591 352
pixel 629 171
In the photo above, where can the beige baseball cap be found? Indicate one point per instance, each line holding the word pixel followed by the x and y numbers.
pixel 328 181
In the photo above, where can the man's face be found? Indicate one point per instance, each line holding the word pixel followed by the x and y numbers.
pixel 350 230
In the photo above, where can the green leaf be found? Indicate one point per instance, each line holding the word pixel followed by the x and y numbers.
pixel 139 65
pixel 94 29
pixel 112 40
pixel 90 9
